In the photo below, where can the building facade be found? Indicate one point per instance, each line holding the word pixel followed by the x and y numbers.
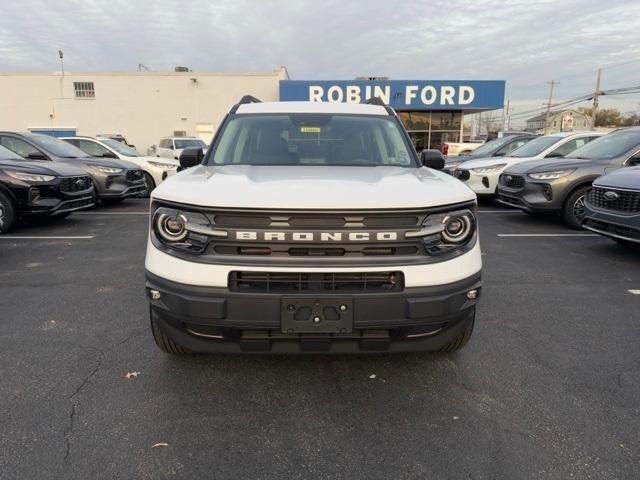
pixel 142 106
pixel 560 121
pixel 146 106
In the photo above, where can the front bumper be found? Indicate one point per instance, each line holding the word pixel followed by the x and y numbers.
pixel 215 319
pixel 118 186
pixel 537 197
pixel 612 224
pixel 481 184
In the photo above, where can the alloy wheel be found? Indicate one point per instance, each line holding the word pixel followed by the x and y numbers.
pixel 1 216
pixel 578 208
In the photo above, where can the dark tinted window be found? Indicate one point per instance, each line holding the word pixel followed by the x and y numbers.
pixel 57 147
pixel 19 146
pixel 6 154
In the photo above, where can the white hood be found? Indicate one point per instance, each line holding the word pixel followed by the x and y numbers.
pixel 312 187
pixel 487 162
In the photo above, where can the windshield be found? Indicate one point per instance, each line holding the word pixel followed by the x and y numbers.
pixel 57 147
pixel 609 146
pixel 489 147
pixel 189 142
pixel 6 154
pixel 312 139
pixel 535 147
pixel 119 147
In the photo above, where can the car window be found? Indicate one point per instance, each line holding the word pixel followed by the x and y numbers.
pixel 6 154
pixel 609 146
pixel 570 146
pixel 535 147
pixel 120 147
pixel 92 148
pixel 510 147
pixel 312 139
pixel 488 147
pixel 20 147
pixel 189 142
pixel 56 146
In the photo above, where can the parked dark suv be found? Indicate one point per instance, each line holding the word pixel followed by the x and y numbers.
pixel 32 188
pixel 612 206
pixel 558 187
pixel 113 180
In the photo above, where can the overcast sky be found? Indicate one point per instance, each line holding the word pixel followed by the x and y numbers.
pixel 525 42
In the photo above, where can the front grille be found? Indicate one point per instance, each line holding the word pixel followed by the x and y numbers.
pixel 620 201
pixel 285 282
pixel 620 230
pixel 313 224
pixel 134 175
pixel 463 175
pixel 512 181
pixel 75 184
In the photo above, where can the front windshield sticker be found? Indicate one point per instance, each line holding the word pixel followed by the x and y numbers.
pixel 310 129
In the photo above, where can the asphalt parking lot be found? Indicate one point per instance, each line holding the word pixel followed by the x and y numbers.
pixel 547 388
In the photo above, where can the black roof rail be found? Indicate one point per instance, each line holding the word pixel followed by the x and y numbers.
pixel 244 100
pixel 379 101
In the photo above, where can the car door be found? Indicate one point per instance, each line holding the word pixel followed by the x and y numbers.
pixel 165 148
pixel 22 148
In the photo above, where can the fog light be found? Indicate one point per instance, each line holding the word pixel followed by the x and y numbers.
pixel 34 195
pixel 472 294
pixel 155 294
pixel 546 191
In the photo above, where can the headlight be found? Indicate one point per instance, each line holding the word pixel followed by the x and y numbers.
pixel 184 230
pixel 447 232
pixel 29 177
pixel 489 169
pixel 163 166
pixel 551 175
pixel 104 169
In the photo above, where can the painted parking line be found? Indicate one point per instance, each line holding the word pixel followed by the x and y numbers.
pixel 47 237
pixel 499 211
pixel 547 235
pixel 634 292
pixel 111 213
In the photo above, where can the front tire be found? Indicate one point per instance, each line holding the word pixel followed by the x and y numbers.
pixel 461 340
pixel 8 215
pixel 573 210
pixel 149 185
pixel 626 243
pixel 163 342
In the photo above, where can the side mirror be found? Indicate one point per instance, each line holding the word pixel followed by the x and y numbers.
pixel 37 156
pixel 190 157
pixel 554 155
pixel 635 160
pixel 432 159
pixel 109 155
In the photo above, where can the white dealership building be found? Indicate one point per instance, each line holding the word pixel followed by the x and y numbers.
pixel 142 106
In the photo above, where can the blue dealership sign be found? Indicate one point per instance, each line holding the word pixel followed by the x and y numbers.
pixel 401 94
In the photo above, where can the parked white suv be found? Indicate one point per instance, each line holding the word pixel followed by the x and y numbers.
pixel 482 174
pixel 155 171
pixel 312 227
pixel 172 147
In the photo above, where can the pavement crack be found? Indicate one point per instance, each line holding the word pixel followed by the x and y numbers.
pixel 69 432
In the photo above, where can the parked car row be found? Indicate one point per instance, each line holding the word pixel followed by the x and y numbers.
pixel 42 176
pixel 568 175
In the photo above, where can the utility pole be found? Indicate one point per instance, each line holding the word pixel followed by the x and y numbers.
pixel 61 55
pixel 594 110
pixel 552 84
pixel 505 116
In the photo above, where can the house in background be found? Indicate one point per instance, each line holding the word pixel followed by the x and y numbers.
pixel 561 121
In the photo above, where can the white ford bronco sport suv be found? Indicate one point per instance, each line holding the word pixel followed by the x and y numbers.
pixel 312 227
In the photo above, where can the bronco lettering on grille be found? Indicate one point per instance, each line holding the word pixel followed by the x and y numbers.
pixel 317 236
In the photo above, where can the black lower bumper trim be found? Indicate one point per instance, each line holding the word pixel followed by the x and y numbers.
pixel 208 319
